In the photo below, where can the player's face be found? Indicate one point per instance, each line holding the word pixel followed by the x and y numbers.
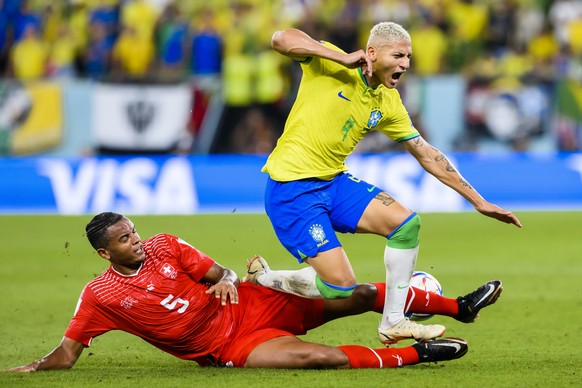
pixel 390 61
pixel 124 250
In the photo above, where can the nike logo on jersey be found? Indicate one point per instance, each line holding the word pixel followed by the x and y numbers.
pixel 341 95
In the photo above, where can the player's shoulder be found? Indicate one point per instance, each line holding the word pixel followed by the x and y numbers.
pixel 311 60
pixel 391 92
pixel 390 96
pixel 99 282
pixel 101 276
pixel 161 245
pixel 160 238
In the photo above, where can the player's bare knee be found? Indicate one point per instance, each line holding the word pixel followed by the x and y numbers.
pixel 334 291
pixel 364 294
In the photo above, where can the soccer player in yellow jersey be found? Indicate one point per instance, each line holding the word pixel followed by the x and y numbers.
pixel 310 196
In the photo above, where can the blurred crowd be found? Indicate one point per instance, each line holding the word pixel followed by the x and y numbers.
pixel 223 46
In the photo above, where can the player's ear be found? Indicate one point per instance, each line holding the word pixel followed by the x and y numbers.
pixel 371 52
pixel 103 253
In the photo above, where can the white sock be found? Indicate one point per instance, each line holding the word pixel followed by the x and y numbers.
pixel 399 266
pixel 300 282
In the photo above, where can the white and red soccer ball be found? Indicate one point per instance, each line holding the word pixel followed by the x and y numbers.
pixel 426 282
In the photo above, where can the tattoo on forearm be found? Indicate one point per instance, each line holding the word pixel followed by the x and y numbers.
pixel 442 158
pixel 386 199
pixel 417 142
pixel 465 183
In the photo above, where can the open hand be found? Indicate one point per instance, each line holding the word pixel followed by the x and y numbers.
pixel 494 211
pixel 224 290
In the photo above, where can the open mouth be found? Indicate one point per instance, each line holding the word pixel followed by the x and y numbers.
pixel 396 76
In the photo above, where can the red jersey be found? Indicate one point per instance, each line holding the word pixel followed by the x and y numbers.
pixel 163 303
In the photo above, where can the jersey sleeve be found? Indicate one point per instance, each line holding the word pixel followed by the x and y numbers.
pixel 192 261
pixel 398 125
pixel 316 65
pixel 88 321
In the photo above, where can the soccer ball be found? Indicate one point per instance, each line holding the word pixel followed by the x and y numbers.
pixel 427 282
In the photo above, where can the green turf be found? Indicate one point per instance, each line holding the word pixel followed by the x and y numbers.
pixel 529 338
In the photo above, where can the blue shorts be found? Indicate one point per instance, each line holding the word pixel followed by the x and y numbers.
pixel 306 213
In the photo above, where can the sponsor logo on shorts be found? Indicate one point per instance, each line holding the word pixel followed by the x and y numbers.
pixel 318 234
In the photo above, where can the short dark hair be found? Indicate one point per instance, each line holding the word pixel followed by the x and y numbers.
pixel 96 229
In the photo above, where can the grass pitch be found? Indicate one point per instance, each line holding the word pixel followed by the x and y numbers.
pixel 530 338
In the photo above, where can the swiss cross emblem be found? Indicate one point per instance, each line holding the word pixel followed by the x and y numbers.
pixel 169 271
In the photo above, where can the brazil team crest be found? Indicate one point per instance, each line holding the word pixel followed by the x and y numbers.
pixel 375 117
pixel 318 234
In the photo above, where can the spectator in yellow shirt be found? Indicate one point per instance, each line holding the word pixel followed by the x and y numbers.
pixel 62 53
pixel 542 49
pixel 468 19
pixel 133 54
pixel 141 16
pixel 430 48
pixel 28 57
pixel 575 36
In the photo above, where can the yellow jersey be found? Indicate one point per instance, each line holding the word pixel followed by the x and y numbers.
pixel 333 111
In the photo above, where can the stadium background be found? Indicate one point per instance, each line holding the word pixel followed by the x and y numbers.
pixel 165 110
pixel 95 90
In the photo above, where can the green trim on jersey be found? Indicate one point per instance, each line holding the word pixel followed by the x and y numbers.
pixel 362 77
pixel 405 138
pixel 333 111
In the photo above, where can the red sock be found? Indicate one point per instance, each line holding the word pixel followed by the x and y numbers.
pixel 423 302
pixel 362 357
pixel 418 302
pixel 379 303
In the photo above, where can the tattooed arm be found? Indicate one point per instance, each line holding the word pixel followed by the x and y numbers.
pixel 437 164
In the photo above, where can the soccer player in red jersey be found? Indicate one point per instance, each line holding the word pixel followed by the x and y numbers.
pixel 180 300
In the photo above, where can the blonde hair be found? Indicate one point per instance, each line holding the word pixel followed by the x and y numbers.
pixel 387 31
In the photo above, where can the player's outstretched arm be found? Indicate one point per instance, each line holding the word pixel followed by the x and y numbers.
pixel 437 164
pixel 297 45
pixel 63 356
